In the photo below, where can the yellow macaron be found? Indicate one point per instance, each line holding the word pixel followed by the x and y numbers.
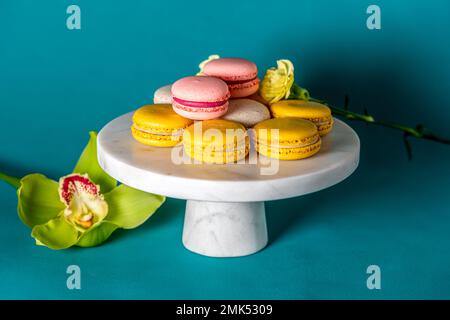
pixel 287 138
pixel 316 112
pixel 158 125
pixel 216 141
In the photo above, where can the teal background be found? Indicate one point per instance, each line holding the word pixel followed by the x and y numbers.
pixel 57 84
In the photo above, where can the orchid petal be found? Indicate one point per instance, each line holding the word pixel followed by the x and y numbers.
pixel 88 163
pixel 97 235
pixel 129 208
pixel 56 234
pixel 38 200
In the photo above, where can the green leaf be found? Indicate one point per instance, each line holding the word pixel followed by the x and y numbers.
pixel 38 200
pixel 56 234
pixel 97 235
pixel 88 163
pixel 12 181
pixel 299 93
pixel 129 208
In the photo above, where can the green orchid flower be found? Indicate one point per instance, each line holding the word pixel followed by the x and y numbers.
pixel 82 209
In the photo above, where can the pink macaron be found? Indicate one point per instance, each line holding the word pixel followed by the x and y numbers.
pixel 240 75
pixel 200 97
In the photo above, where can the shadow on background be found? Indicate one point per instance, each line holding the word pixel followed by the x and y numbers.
pixel 20 171
pixel 171 210
pixel 377 75
pixel 390 89
pixel 295 214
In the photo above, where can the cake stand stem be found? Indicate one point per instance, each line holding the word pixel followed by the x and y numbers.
pixel 224 229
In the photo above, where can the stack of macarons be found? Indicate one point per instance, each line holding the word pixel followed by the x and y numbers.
pixel 224 98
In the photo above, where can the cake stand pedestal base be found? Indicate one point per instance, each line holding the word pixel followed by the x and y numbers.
pixel 224 229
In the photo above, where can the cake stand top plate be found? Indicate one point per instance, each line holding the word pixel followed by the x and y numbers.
pixel 151 169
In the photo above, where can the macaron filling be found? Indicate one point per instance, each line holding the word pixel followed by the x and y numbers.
pixel 320 122
pixel 231 82
pixel 291 144
pixel 171 132
pixel 199 104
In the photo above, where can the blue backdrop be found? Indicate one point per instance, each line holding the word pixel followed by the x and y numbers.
pixel 57 84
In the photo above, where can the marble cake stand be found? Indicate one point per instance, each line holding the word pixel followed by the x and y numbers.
pixel 225 214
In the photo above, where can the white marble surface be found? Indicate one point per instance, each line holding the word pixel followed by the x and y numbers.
pixel 224 229
pixel 151 169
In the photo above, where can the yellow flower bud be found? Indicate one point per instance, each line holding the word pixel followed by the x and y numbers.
pixel 202 64
pixel 277 82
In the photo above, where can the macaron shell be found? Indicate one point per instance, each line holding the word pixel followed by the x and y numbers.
pixel 159 117
pixel 235 69
pixel 201 142
pixel 247 112
pixel 201 89
pixel 158 125
pixel 195 133
pixel 231 69
pixel 299 108
pixel 214 157
pixel 200 113
pixel 289 153
pixel 291 131
pixel 155 140
pixel 325 129
pixel 242 90
pixel 163 95
pixel 294 139
pixel 318 113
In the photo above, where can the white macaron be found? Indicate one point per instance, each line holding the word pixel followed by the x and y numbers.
pixel 163 95
pixel 246 111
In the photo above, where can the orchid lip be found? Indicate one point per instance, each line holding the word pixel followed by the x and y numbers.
pixel 85 205
pixel 68 189
pixel 198 104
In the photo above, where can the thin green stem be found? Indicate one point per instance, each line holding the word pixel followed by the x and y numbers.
pixel 12 181
pixel 418 132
